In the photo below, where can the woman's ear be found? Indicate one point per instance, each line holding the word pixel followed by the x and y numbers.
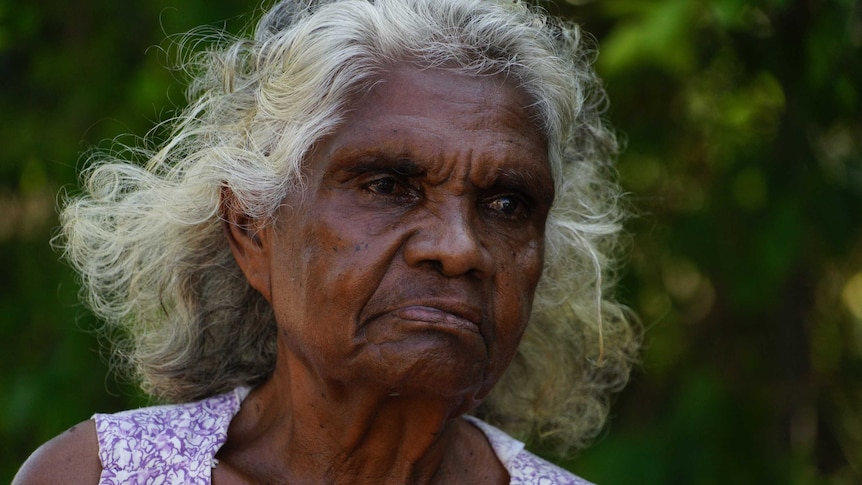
pixel 247 238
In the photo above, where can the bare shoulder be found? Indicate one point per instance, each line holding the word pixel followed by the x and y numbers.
pixel 72 457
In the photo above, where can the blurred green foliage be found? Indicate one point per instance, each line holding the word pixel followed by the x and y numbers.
pixel 744 160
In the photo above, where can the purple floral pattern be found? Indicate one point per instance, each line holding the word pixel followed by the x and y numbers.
pixel 162 445
pixel 177 444
pixel 524 467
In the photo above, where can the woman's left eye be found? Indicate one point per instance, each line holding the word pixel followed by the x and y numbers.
pixel 506 205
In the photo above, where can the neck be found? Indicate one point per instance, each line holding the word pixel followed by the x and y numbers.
pixel 297 428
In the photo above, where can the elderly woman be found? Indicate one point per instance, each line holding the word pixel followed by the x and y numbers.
pixel 381 231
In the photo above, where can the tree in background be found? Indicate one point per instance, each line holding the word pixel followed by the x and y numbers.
pixel 743 159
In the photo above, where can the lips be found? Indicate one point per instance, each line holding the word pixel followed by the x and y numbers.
pixel 462 319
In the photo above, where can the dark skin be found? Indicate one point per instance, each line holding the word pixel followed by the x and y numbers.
pixel 401 279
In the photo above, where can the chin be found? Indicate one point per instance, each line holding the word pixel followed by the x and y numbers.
pixel 435 374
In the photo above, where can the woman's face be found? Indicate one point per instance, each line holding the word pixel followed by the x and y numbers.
pixel 409 261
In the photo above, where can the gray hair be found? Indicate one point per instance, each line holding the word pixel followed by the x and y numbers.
pixel 155 264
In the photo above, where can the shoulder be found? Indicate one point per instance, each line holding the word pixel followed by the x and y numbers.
pixel 167 425
pixel 174 443
pixel 523 466
pixel 72 457
pixel 529 468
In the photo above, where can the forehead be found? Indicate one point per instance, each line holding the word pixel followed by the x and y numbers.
pixel 436 113
pixel 406 91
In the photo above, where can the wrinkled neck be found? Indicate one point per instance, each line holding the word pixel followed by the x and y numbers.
pixel 297 428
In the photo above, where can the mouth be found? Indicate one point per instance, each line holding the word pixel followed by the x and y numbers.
pixel 442 316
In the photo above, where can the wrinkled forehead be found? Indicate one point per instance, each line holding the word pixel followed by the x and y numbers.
pixel 440 110
pixel 406 93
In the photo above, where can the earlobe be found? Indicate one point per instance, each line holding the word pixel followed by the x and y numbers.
pixel 247 243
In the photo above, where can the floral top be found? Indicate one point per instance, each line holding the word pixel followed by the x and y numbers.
pixel 177 444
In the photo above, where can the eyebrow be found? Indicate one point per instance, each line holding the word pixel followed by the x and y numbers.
pixel 506 179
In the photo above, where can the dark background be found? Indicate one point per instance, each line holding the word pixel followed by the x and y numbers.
pixel 744 161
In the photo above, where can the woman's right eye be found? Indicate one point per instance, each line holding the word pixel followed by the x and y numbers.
pixel 383 185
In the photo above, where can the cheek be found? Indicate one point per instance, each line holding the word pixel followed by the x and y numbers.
pixel 517 287
pixel 528 263
pixel 345 259
pixel 532 259
pixel 520 275
pixel 323 282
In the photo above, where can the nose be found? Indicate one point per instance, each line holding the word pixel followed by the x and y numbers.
pixel 448 240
